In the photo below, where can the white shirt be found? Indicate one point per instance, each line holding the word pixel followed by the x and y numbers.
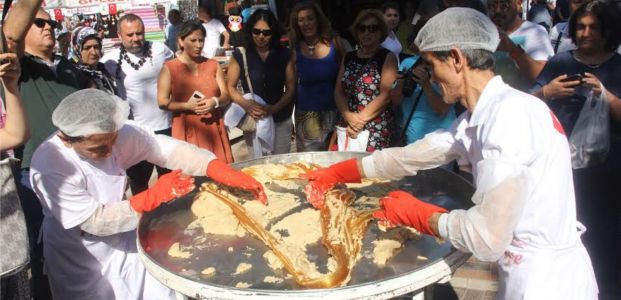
pixel 70 202
pixel 139 87
pixel 71 188
pixel 565 42
pixel 522 170
pixel 534 40
pixel 214 29
pixel 392 44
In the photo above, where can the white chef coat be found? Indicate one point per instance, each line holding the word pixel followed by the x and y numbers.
pixel 509 132
pixel 70 188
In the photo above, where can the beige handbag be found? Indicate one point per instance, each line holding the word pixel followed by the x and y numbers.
pixel 248 123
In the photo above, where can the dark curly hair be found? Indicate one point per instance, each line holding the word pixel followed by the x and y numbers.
pixel 608 18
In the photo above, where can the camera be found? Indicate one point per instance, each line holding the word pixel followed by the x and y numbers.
pixel 409 84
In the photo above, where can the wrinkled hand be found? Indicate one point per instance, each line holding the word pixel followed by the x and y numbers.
pixel 220 172
pixel 558 89
pixel 401 208
pixel 354 120
pixel 351 132
pixel 167 187
pixel 324 179
pixel 593 82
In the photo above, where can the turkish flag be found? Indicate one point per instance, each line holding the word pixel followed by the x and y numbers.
pixel 112 9
pixel 58 14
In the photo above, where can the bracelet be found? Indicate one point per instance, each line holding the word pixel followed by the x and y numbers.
pixel 217 102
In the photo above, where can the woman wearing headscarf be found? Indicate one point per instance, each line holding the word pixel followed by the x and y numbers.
pixel 87 48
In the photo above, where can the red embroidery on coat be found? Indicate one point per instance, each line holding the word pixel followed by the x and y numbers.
pixel 557 124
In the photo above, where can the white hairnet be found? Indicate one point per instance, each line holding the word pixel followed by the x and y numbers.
pixel 90 111
pixel 458 27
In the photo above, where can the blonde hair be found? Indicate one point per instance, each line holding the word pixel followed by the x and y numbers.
pixel 367 14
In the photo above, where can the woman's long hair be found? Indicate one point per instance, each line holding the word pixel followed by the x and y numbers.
pixel 324 29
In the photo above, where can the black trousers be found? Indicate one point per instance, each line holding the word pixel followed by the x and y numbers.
pixel 140 173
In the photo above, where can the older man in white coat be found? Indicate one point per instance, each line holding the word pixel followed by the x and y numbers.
pixel 79 175
pixel 524 215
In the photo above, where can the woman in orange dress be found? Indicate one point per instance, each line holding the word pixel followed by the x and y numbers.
pixel 193 88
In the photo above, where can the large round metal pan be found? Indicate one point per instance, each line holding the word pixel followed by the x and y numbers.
pixel 421 262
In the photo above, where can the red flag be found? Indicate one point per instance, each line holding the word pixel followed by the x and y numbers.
pixel 58 14
pixel 112 9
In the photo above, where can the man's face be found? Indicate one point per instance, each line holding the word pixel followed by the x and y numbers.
pixel 444 75
pixel 174 18
pixel 391 16
pixel 589 34
pixel 132 36
pixel 41 33
pixel 96 146
pixel 503 12
pixel 574 4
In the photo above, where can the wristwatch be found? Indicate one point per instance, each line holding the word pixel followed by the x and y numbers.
pixel 518 50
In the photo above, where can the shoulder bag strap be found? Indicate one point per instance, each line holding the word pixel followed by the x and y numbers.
pixel 407 123
pixel 558 41
pixel 242 50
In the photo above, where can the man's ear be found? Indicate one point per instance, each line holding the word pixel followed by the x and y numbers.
pixel 64 139
pixel 459 59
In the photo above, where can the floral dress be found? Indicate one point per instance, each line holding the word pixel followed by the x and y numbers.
pixel 361 84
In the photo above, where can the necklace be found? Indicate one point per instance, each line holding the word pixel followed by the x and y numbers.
pixel 311 47
pixel 136 66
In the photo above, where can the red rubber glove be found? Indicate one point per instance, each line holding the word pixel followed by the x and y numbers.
pixel 220 172
pixel 401 208
pixel 167 187
pixel 322 180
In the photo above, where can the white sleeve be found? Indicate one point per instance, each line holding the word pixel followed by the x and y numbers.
pixel 486 229
pixel 138 143
pixel 220 27
pixel 434 150
pixel 63 192
pixel 503 179
pixel 168 54
pixel 539 46
pixel 111 219
pixel 189 158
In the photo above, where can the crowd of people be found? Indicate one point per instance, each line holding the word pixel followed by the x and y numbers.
pixel 458 84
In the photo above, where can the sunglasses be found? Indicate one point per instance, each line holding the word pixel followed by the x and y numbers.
pixel 368 28
pixel 41 23
pixel 264 32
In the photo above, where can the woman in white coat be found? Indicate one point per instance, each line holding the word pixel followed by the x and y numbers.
pixel 79 175
pixel 524 215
